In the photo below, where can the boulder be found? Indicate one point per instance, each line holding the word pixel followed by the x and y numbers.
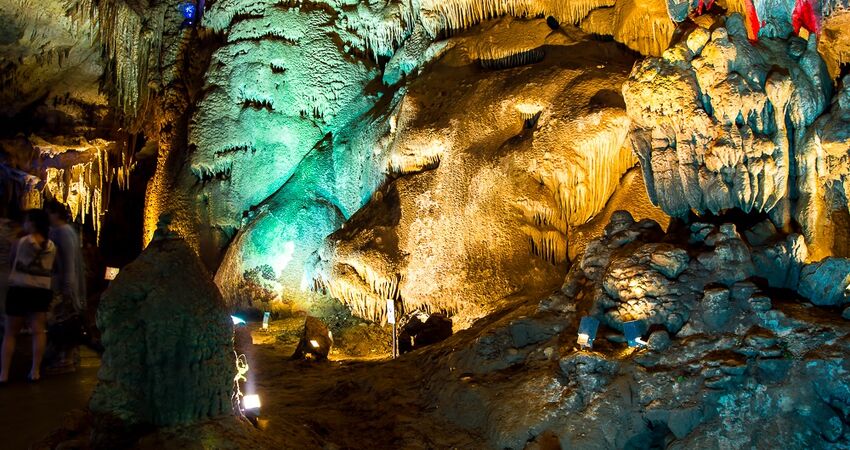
pixel 670 262
pixel 658 340
pixel 316 341
pixel 716 308
pixel 825 283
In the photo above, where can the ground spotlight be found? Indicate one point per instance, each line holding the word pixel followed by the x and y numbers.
pixel 634 332
pixel 587 331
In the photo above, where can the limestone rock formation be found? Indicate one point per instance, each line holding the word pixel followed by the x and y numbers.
pixel 555 127
pixel 316 341
pixel 699 276
pixel 273 91
pixel 824 180
pixel 717 121
pixel 49 65
pixel 835 41
pixel 168 343
pixel 728 362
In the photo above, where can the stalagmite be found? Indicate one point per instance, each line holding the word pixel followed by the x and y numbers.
pixel 823 179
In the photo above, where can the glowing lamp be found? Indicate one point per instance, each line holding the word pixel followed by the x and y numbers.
pixel 633 331
pixel 238 320
pixel 188 10
pixel 111 273
pixel 251 402
pixel 587 331
pixel 314 343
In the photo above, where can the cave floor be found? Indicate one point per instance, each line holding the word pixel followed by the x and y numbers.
pixel 30 411
pixel 348 402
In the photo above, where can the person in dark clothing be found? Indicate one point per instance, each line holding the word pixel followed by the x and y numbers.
pixel 29 294
pixel 69 287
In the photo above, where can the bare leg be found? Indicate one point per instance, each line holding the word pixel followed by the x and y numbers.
pixel 38 323
pixel 10 335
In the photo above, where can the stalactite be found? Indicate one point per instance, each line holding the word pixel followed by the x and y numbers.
pixel 83 181
pixel 461 14
pixel 498 60
pixel 362 289
pixel 424 158
pixel 131 43
pixel 583 190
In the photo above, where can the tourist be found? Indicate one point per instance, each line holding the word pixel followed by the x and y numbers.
pixel 29 293
pixel 69 292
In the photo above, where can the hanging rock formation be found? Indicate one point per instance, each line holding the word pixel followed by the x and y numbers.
pixel 717 121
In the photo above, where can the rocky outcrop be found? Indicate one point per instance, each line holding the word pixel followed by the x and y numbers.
pixel 489 177
pixel 168 344
pixel 726 357
pixel 316 341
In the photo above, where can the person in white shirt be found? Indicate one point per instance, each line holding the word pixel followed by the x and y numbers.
pixel 29 294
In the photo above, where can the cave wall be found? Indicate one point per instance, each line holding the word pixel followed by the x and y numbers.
pixel 273 123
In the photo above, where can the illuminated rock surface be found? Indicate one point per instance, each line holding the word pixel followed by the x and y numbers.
pixel 449 233
pixel 467 158
pixel 716 127
pixel 822 171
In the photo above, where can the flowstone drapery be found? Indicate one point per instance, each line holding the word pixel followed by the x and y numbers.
pixel 494 157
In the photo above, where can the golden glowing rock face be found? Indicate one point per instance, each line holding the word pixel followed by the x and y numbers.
pixel 834 43
pixel 78 173
pixel 493 168
pixel 823 179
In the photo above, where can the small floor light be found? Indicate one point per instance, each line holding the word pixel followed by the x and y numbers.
pixel 251 401
pixel 251 406
pixel 587 331
pixel 238 320
pixel 633 331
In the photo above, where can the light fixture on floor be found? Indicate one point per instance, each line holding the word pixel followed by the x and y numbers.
pixel 251 406
pixel 111 273
pixel 587 331
pixel 634 332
